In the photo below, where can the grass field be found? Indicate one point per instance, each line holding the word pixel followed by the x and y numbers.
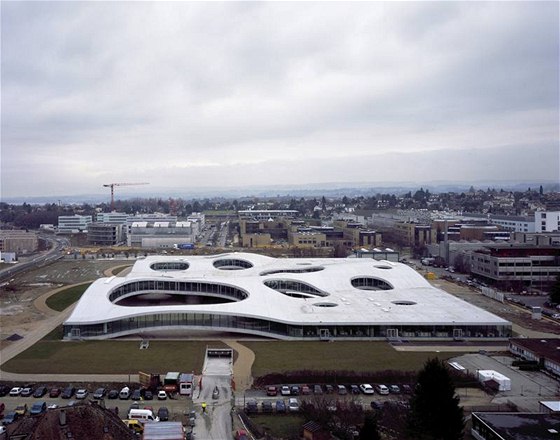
pixel 60 300
pixel 281 356
pixel 286 426
pixel 109 357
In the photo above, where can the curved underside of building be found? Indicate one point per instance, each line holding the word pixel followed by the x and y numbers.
pixel 297 299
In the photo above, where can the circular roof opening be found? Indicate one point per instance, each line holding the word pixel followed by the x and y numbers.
pixel 403 303
pixel 169 265
pixel 232 264
pixel 382 266
pixel 325 304
pixel 370 283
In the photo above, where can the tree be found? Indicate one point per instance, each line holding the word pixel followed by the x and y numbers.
pixel 555 291
pixel 435 413
pixel 369 430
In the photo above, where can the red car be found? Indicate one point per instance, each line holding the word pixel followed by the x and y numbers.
pixel 271 391
pixel 55 392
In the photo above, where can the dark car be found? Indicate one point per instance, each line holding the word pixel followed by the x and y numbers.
pixel 136 395
pixel 251 407
pixel 10 417
pixel 55 392
pixel 99 393
pixel 40 392
pixel 4 390
pixel 354 389
pixel 295 390
pixel 113 394
pixel 163 414
pixel 26 392
pixel 317 389
pixel 68 392
pixel 280 406
pixel 407 389
pixel 266 406
pixel 148 395
pixel 38 408
pixel 329 389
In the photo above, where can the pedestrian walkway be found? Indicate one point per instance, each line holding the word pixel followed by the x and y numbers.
pixel 242 366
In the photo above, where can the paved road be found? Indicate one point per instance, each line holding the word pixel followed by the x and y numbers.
pixel 215 423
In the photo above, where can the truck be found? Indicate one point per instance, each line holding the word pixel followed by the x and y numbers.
pixel 163 431
pixel 171 382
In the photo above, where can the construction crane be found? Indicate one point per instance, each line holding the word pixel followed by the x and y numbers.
pixel 112 186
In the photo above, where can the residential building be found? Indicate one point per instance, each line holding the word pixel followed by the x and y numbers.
pixel 547 221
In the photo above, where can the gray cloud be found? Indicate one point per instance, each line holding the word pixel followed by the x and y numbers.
pixel 93 92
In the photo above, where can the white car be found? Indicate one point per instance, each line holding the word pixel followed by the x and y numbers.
pixel 81 393
pixel 366 388
pixel 162 395
pixel 285 390
pixel 382 389
pixel 293 405
pixel 16 391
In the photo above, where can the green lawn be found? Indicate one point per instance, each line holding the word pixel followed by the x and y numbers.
pixel 281 356
pixel 60 300
pixel 109 357
pixel 283 426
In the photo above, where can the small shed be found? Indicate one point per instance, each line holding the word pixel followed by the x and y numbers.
pixel 504 382
pixel 313 431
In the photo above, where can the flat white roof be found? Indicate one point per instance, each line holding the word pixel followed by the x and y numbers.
pixel 352 306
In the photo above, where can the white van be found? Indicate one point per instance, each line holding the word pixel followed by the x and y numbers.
pixel 125 393
pixel 142 415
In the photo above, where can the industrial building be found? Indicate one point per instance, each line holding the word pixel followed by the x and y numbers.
pixel 161 234
pixel 290 299
pixel 18 242
pixel 545 351
pixel 514 426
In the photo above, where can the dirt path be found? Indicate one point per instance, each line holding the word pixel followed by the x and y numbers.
pixel 242 367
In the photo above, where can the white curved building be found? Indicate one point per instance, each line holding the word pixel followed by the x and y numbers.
pixel 298 298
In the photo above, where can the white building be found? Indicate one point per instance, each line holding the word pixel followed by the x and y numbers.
pixel 160 234
pixel 547 221
pixel 68 224
pixel 112 217
pixel 291 299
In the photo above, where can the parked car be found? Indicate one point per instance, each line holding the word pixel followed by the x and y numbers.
pixel 341 389
pixel 317 389
pixel 10 418
pixel 394 389
pixel 68 392
pixel 305 390
pixel 21 410
pixel 113 394
pixel 329 389
pixel 81 393
pixel 285 390
pixel 271 390
pixel 366 388
pixel 148 395
pixel 4 390
pixel 26 392
pixel 40 392
pixel 251 407
pixel 52 406
pixel 294 391
pixel 99 393
pixel 38 408
pixel 407 389
pixel 293 404
pixel 136 395
pixel 376 405
pixel 2 408
pixel 266 406
pixel 54 392
pixel 163 414
pixel 161 395
pixel 382 389
pixel 280 406
pixel 354 389
pixel 15 391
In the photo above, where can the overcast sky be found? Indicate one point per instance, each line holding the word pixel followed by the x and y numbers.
pixel 194 94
